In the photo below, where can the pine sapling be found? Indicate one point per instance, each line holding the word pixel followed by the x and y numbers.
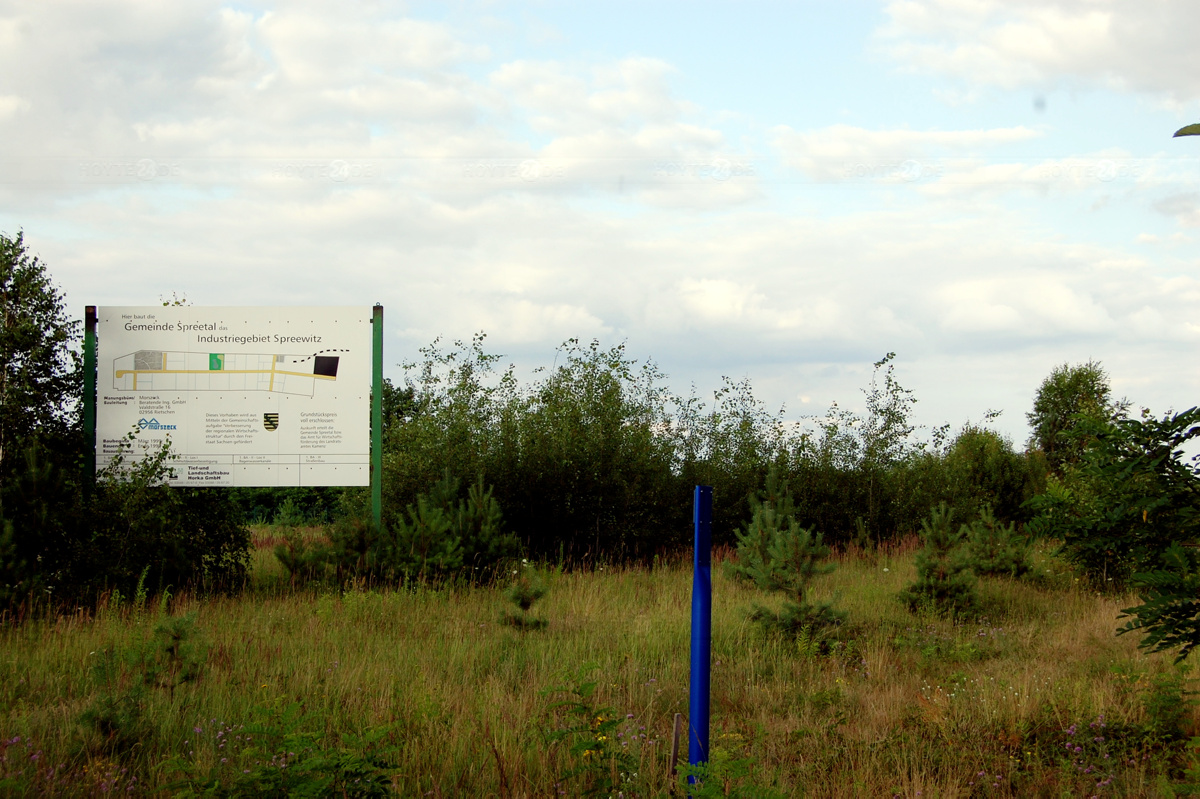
pixel 945 582
pixel 527 589
pixel 995 549
pixel 779 555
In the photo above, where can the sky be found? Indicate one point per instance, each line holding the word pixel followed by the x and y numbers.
pixel 783 192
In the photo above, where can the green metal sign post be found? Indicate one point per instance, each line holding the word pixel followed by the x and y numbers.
pixel 89 397
pixel 377 417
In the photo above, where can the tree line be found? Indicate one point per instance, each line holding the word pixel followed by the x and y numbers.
pixel 594 458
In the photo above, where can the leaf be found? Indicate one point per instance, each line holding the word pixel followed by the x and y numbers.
pixel 1189 130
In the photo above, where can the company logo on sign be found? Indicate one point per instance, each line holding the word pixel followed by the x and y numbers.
pixel 154 424
pixel 271 421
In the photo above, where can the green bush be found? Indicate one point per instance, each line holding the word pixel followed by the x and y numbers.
pixel 996 549
pixel 141 528
pixel 174 654
pixel 596 456
pixel 438 535
pixel 526 589
pixel 944 583
pixel 777 554
pixel 985 472
pixel 1130 498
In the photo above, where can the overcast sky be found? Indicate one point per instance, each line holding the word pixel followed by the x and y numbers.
pixel 778 191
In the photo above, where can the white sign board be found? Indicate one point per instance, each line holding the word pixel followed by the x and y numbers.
pixel 247 396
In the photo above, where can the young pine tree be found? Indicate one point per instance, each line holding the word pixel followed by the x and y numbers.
pixel 526 589
pixel 944 579
pixel 995 548
pixel 777 554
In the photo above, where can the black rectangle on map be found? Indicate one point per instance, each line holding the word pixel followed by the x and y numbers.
pixel 325 365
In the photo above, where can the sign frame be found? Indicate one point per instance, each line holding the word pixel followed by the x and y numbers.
pixel 375 437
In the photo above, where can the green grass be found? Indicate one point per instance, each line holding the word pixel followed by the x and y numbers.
pixel 459 703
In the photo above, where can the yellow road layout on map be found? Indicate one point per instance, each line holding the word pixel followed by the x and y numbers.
pixel 156 370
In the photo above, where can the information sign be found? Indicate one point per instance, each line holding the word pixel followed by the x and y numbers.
pixel 247 396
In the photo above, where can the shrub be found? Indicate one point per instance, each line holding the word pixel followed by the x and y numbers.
pixel 983 471
pixel 174 655
pixel 1130 499
pixel 1169 616
pixel 304 559
pixel 581 459
pixel 525 591
pixel 995 549
pixel 944 583
pixel 440 534
pixel 192 537
pixel 777 554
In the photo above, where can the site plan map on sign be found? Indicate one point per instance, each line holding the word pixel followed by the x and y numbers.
pixel 149 370
pixel 246 396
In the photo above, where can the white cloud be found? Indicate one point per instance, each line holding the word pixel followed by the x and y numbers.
pixel 632 92
pixel 845 152
pixel 325 155
pixel 12 104
pixel 1184 207
pixel 1144 47
pixel 955 162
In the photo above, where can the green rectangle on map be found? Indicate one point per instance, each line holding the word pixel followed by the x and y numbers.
pixel 216 362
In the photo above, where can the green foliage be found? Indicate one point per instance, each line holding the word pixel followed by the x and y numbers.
pixel 278 758
pixel 174 655
pixel 399 405
pixel 1189 130
pixel 722 775
pixel 288 514
pixel 1068 396
pixel 40 381
pixel 1169 616
pixel 292 506
pixel 305 560
pixel 944 583
pixel 777 554
pixel 601 765
pixel 184 536
pixel 856 473
pixel 588 458
pixel 1130 499
pixel 40 378
pixel 996 549
pixel 727 446
pixel 16 578
pixel 597 456
pixel 588 454
pixel 1168 705
pixel 440 534
pixel 526 589
pixel 984 471
pixel 35 532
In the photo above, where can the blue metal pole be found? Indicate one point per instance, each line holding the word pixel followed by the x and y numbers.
pixel 698 703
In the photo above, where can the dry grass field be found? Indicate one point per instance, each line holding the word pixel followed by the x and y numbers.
pixel 424 692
